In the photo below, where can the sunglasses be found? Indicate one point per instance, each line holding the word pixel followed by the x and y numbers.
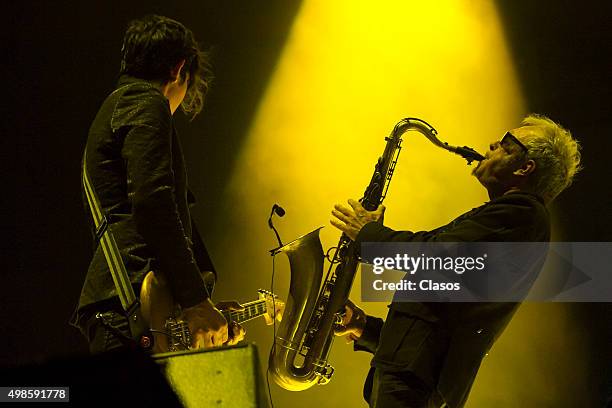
pixel 509 138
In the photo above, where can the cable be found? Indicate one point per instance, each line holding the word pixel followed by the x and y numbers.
pixel 273 348
pixel 278 210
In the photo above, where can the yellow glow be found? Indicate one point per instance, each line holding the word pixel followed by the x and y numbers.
pixel 349 71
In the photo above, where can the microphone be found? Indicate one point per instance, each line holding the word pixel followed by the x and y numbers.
pixel 280 211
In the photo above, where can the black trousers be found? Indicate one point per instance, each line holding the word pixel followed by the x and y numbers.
pixel 403 389
pixel 407 363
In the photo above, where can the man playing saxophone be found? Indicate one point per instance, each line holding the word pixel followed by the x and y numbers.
pixel 428 354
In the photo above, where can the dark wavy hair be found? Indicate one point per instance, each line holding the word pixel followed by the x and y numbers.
pixel 154 45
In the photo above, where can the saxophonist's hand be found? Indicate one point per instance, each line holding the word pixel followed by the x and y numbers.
pixel 351 220
pixel 353 322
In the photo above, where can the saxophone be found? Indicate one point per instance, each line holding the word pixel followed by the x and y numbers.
pixel 298 359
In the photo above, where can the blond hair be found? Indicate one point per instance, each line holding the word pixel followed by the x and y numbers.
pixel 556 154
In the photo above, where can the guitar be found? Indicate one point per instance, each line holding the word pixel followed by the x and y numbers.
pixel 171 333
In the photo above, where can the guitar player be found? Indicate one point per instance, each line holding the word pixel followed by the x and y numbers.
pixel 136 167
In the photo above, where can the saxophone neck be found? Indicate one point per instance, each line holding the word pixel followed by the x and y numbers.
pixel 407 124
pixel 431 134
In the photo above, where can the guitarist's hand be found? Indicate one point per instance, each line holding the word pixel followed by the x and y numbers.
pixel 207 325
pixel 236 331
pixel 237 334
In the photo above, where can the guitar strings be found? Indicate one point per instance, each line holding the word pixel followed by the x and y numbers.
pixel 172 336
pixel 254 308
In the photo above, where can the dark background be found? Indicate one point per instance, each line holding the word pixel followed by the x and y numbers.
pixel 63 60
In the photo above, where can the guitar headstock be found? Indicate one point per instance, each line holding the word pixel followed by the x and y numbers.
pixel 274 306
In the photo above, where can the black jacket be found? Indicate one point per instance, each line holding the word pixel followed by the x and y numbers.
pixel 472 327
pixel 136 166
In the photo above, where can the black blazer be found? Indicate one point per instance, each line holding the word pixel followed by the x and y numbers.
pixel 136 166
pixel 473 327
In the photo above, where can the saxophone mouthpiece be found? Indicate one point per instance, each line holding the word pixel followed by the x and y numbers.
pixel 469 154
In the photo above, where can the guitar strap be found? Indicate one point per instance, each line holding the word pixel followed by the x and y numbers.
pixel 105 238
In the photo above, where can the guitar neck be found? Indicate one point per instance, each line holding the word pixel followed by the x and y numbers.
pixel 252 310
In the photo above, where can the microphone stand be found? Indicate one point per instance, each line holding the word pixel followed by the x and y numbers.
pixel 276 209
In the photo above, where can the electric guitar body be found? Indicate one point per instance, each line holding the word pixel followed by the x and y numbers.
pixel 163 315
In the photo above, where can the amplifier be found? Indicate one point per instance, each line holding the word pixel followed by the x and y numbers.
pixel 228 377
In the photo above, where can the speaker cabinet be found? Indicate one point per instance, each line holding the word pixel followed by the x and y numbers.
pixel 218 378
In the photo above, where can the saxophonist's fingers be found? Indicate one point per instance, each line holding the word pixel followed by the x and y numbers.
pixel 357 207
pixel 351 225
pixel 350 306
pixel 380 213
pixel 340 225
pixel 340 330
pixel 350 232
pixel 344 210
pixel 342 217
pixel 343 321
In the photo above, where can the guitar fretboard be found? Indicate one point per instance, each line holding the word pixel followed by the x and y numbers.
pixel 251 311
pixel 181 335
